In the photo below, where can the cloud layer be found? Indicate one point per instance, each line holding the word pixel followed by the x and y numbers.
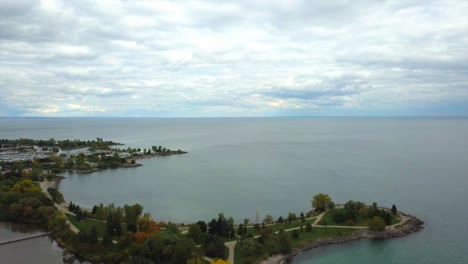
pixel 236 58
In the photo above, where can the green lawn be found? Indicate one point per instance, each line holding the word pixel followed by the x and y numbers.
pixel 86 224
pixel 321 233
pixel 285 225
pixel 296 223
pixel 304 237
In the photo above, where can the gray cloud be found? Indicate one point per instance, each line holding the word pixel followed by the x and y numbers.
pixel 211 58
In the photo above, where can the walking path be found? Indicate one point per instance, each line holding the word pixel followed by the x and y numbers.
pixel 231 246
pixel 210 260
pixel 403 219
pixel 44 186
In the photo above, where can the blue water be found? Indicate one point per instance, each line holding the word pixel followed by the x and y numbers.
pixel 275 165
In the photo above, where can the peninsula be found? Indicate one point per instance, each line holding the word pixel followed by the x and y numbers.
pixel 125 234
pixel 46 158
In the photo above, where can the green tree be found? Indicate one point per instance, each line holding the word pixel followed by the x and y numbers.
pixel 215 247
pixel 106 239
pixel 320 202
pixel 268 219
pixel 183 250
pixel 250 247
pixel 195 233
pixel 93 236
pixel 172 228
pixel 377 223
pixel 285 244
pixel 295 234
pixel 203 226
pixel 131 216
pixel 394 210
pixel 291 217
pixel 79 214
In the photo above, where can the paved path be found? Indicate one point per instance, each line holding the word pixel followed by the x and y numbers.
pixel 319 217
pixel 231 246
pixel 403 218
pixel 44 186
pixel 210 260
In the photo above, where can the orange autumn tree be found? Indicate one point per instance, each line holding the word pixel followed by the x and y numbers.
pixel 146 226
pixel 25 186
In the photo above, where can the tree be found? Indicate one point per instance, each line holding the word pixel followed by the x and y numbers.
pixel 183 250
pixel 302 217
pixel 295 234
pixel 250 246
pixel 79 214
pixel 172 228
pixel 257 227
pixel 106 239
pixel 280 220
pixel 240 230
pixel 215 247
pixel 131 216
pixel 285 244
pixel 320 202
pixel 268 219
pixel 213 227
pixel 291 217
pixel 195 233
pixel 394 210
pixel 203 226
pixel 377 223
pixel 93 235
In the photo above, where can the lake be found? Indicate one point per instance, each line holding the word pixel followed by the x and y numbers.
pixel 37 250
pixel 275 165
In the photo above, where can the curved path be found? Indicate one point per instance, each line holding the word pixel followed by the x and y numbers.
pixel 403 219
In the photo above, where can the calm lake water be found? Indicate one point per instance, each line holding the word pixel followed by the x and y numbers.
pixel 37 250
pixel 275 165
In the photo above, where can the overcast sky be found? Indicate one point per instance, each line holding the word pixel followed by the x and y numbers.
pixel 233 58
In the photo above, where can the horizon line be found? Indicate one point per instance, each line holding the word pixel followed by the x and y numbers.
pixel 207 117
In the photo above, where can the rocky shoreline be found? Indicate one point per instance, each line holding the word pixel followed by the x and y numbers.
pixel 411 225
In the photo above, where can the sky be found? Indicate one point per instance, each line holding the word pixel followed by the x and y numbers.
pixel 233 58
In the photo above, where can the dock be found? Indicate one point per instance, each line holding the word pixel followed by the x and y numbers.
pixel 24 238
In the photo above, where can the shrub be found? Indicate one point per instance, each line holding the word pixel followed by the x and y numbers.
pixel 377 223
pixel 295 234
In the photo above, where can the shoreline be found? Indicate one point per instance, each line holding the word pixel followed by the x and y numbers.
pixel 411 225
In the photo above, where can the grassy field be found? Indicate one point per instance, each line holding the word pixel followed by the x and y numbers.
pixel 321 233
pixel 86 224
pixel 304 237
pixel 276 227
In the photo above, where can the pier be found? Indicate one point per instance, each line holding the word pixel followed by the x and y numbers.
pixel 24 238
